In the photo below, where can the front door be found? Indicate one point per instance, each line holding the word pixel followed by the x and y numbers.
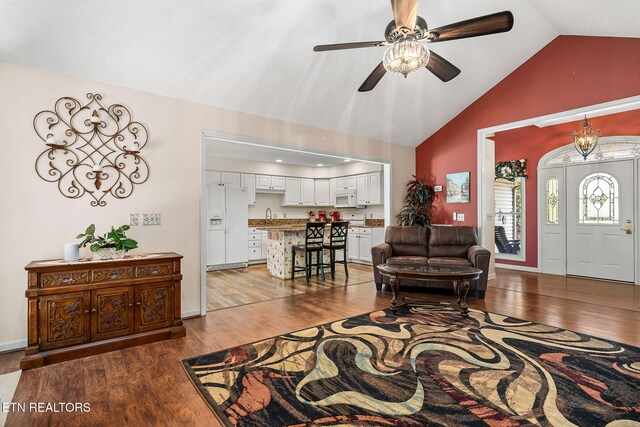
pixel 599 209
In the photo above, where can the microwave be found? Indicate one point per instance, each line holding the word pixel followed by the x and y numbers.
pixel 346 200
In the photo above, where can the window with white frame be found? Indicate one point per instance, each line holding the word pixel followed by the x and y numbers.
pixel 509 216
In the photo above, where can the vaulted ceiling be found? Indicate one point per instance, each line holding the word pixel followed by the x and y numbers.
pixel 256 56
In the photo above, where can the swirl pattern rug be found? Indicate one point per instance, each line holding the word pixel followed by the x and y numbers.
pixel 423 366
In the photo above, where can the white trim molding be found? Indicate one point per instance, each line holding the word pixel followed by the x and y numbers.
pixel 13 345
pixel 518 267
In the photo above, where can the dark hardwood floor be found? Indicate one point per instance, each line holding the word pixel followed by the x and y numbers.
pixel 146 385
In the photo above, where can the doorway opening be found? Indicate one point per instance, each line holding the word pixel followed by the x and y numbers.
pixel 248 186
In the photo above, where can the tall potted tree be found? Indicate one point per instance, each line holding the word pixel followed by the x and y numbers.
pixel 417 204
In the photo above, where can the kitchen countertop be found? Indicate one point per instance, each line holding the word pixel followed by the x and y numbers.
pixel 301 222
pixel 301 227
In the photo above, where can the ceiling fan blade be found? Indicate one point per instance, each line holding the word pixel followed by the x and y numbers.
pixel 373 78
pixel 405 13
pixel 500 22
pixel 341 46
pixel 441 68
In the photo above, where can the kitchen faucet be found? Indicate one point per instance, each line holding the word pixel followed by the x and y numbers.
pixel 267 215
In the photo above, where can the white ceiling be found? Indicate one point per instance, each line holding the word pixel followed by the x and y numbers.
pixel 262 153
pixel 256 56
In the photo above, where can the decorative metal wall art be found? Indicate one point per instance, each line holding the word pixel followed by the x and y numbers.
pixel 91 149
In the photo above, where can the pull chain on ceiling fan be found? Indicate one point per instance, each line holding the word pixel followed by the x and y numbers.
pixel 405 34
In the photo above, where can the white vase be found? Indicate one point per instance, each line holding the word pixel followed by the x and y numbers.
pixel 71 252
pixel 108 253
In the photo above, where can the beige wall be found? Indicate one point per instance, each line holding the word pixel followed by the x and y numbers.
pixel 37 220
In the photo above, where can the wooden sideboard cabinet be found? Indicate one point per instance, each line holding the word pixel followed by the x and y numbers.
pixel 77 309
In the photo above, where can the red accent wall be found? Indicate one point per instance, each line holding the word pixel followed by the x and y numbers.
pixel 532 143
pixel 555 79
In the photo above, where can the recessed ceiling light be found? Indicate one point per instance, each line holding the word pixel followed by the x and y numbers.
pixel 319 165
pixel 278 160
pixel 347 160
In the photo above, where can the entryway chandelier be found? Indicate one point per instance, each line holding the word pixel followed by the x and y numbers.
pixel 586 139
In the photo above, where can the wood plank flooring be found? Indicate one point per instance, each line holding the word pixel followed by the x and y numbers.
pixel 231 288
pixel 146 385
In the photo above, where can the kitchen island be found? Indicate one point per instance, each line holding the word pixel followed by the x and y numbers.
pixel 280 240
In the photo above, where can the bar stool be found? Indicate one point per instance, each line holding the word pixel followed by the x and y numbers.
pixel 313 243
pixel 338 242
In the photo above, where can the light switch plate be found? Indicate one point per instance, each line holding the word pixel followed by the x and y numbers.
pixel 151 219
pixel 455 216
pixel 437 188
pixel 133 219
pixel 460 217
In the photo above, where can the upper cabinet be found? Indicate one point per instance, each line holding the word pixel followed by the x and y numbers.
pixel 323 192
pixel 230 178
pixel 346 183
pixel 249 182
pixel 332 191
pixel 270 183
pixel 369 188
pixel 299 192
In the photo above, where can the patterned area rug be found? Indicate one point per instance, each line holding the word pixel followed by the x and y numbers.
pixel 423 366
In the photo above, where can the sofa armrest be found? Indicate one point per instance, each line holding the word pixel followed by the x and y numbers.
pixel 379 255
pixel 480 258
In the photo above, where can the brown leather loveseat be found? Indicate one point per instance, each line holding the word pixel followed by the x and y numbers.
pixel 433 245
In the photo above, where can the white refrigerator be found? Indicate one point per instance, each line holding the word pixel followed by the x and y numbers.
pixel 227 234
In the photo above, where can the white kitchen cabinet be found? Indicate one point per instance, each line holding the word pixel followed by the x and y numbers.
pixel 369 189
pixel 270 183
pixel 346 182
pixel 307 191
pixel 362 189
pixel 231 179
pixel 292 191
pixel 213 177
pixel 332 191
pixel 278 183
pixel 249 182
pixel 255 245
pixel 322 192
pixel 299 192
pixel 263 245
pixel 360 240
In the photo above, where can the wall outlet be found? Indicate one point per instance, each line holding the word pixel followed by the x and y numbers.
pixel 460 217
pixel 151 219
pixel 455 216
pixel 133 219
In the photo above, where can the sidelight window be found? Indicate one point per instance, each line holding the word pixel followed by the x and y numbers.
pixel 552 200
pixel 598 199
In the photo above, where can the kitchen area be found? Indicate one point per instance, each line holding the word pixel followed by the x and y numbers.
pixel 259 200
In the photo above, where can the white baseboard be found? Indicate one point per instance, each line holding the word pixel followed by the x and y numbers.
pixel 518 267
pixel 192 313
pixel 13 345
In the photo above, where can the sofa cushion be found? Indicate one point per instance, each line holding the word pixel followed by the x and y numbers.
pixel 450 261
pixel 451 242
pixel 407 241
pixel 419 260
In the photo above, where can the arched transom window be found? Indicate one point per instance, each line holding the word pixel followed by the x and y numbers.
pixel 598 199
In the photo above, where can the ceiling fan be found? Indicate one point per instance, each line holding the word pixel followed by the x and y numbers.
pixel 405 33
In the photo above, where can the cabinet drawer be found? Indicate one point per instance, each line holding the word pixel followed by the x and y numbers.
pixel 109 274
pixel 255 236
pixel 365 231
pixel 255 243
pixel 154 270
pixel 64 278
pixel 255 253
pixel 252 230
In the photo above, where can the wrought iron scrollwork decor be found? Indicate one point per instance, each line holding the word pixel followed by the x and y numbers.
pixel 91 149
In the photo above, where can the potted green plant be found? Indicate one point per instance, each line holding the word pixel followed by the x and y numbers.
pixel 111 245
pixel 417 204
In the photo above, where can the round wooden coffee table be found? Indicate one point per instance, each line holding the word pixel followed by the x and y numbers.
pixel 460 276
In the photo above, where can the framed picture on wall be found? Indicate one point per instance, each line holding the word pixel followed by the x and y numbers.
pixel 458 187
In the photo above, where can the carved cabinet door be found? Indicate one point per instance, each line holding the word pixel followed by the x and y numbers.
pixel 154 306
pixel 112 312
pixel 64 319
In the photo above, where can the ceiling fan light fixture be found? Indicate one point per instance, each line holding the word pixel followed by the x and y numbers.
pixel 406 56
